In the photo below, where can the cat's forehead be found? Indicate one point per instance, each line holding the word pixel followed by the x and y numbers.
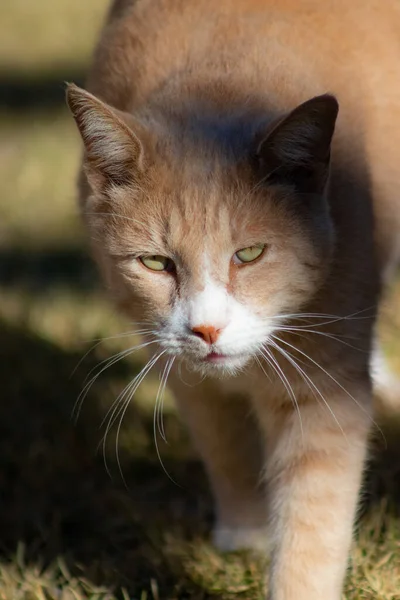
pixel 190 216
pixel 193 218
pixel 206 226
pixel 199 204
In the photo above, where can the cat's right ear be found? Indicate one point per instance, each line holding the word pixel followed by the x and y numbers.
pixel 114 154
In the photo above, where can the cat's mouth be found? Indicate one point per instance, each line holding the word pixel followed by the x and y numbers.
pixel 216 357
pixel 209 360
pixel 219 359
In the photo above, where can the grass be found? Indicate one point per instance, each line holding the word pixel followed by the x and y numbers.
pixel 69 531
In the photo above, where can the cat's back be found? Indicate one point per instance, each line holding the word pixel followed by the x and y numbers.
pixel 302 43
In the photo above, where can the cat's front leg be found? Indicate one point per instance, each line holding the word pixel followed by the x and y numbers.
pixel 314 470
pixel 228 440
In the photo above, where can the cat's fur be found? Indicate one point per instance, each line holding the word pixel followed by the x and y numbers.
pixel 196 150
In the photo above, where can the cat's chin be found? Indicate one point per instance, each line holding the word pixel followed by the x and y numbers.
pixel 220 366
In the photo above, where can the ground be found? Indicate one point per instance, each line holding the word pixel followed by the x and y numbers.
pixel 70 529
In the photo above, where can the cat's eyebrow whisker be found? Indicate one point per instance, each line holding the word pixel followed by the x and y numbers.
pixel 114 214
pixel 338 384
pixel 138 188
pixel 314 389
pixel 121 216
pixel 272 361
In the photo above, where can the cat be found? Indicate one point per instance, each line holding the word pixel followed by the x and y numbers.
pixel 240 188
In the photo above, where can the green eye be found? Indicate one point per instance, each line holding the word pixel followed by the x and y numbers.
pixel 157 263
pixel 247 255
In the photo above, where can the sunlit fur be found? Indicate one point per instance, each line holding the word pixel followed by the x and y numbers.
pixel 206 131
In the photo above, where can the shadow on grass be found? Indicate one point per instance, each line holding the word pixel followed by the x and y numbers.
pixel 19 93
pixel 56 496
pixel 38 270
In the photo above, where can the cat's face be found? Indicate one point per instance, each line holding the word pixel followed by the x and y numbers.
pixel 212 273
pixel 214 260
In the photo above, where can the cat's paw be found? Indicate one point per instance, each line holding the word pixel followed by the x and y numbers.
pixel 229 539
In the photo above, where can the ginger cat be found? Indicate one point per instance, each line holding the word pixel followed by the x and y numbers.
pixel 251 221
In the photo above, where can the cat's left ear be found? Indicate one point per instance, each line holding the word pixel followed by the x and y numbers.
pixel 114 152
pixel 296 151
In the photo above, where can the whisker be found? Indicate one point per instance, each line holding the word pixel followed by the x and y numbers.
pixel 120 405
pixel 150 364
pixel 114 412
pixel 122 335
pixel 289 357
pixel 161 404
pixel 101 340
pixel 203 377
pixel 160 424
pixel 109 363
pixel 285 382
pixel 297 330
pixel 330 318
pixel 119 355
pixel 163 384
pixel 262 368
pixel 338 384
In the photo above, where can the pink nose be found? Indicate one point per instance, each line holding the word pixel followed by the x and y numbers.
pixel 207 332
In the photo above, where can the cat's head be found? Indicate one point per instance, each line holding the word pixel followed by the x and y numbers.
pixel 214 249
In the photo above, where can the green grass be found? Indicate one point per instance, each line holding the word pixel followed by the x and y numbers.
pixel 69 530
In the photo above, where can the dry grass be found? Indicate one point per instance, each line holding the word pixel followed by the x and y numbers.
pixel 69 531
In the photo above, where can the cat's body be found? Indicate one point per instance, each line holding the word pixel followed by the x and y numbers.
pixel 204 160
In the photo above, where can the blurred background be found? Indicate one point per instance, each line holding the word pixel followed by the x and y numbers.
pixel 72 526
